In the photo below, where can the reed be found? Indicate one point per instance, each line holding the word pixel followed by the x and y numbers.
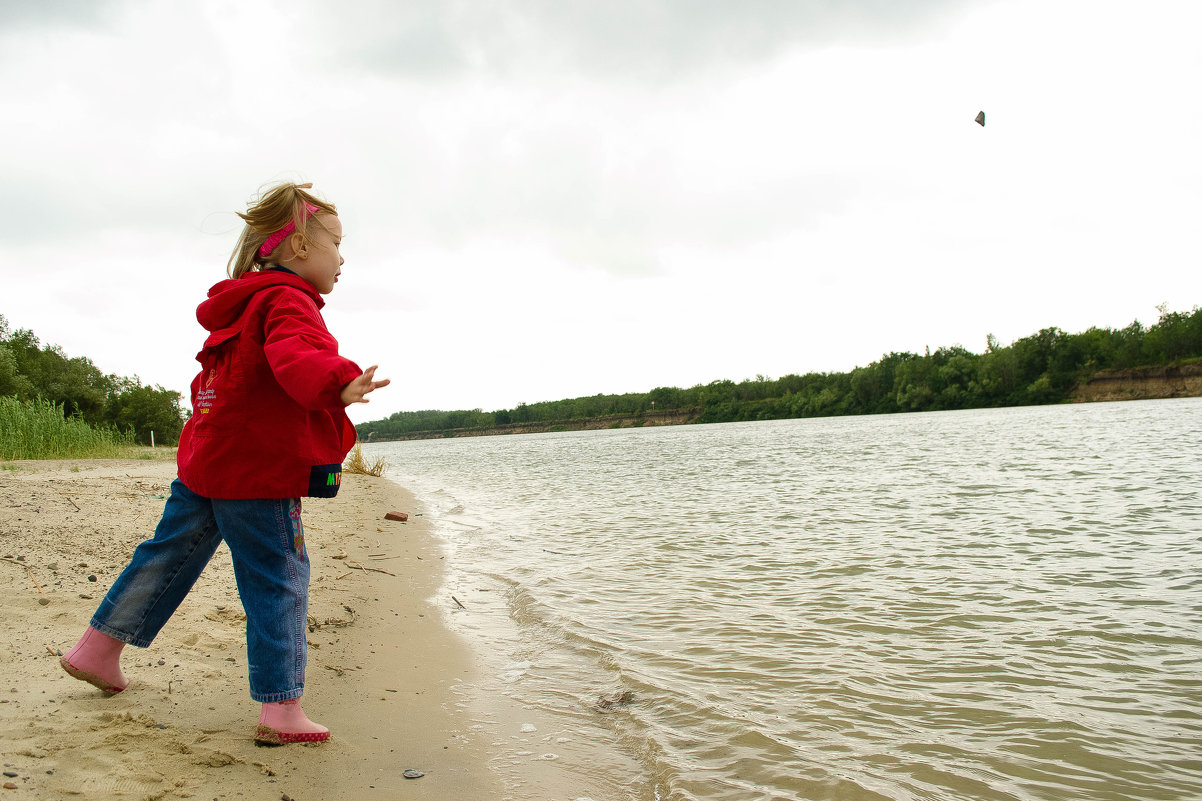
pixel 39 429
pixel 355 463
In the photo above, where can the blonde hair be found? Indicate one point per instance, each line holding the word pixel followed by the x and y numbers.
pixel 271 210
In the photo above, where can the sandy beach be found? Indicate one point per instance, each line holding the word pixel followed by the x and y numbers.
pixel 385 673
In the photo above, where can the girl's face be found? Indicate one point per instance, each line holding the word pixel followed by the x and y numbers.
pixel 321 262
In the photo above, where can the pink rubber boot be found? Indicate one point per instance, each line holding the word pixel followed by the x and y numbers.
pixel 96 659
pixel 283 722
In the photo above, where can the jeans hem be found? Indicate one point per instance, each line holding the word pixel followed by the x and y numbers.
pixel 272 698
pixel 117 634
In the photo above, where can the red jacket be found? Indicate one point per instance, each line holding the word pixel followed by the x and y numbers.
pixel 267 420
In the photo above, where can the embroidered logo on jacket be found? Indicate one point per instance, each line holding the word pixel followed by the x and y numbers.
pixel 206 397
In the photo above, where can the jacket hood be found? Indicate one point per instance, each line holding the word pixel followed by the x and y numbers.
pixel 228 299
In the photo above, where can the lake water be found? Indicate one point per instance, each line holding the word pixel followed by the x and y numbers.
pixel 989 604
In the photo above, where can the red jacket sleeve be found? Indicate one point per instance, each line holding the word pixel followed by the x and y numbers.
pixel 302 353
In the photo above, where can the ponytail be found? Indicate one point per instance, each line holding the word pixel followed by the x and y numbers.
pixel 275 208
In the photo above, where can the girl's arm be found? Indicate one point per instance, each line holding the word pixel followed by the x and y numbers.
pixel 303 355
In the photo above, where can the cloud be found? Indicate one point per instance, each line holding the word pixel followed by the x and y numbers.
pixel 571 154
pixel 608 178
pixel 620 40
pixel 106 116
pixel 20 16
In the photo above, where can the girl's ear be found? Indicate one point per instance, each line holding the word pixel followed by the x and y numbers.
pixel 298 246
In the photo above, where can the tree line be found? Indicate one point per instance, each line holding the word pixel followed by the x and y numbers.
pixel 1038 369
pixel 35 373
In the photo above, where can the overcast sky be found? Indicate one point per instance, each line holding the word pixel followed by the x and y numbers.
pixel 546 199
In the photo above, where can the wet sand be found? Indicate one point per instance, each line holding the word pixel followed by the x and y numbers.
pixel 385 673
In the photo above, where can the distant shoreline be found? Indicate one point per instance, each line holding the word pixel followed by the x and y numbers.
pixel 1139 383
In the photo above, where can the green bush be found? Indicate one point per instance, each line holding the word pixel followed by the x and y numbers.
pixel 39 429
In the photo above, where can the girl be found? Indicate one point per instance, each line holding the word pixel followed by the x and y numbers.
pixel 268 426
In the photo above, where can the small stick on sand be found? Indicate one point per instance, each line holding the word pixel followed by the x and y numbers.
pixel 358 566
pixel 339 669
pixel 27 570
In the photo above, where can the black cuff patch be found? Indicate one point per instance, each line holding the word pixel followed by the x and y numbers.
pixel 324 480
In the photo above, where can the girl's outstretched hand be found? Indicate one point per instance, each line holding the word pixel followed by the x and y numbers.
pixel 357 390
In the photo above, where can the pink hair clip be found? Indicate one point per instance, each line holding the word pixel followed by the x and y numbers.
pixel 275 239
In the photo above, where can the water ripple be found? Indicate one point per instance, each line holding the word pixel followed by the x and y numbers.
pixel 1000 604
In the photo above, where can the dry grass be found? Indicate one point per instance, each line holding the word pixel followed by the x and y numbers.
pixel 355 463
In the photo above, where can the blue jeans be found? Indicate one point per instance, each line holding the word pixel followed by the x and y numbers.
pixel 267 542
